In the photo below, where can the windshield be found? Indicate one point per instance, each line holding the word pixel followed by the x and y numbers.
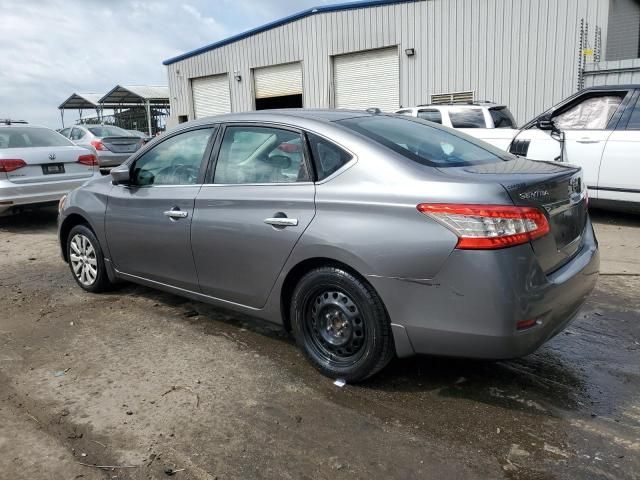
pixel 109 131
pixel 425 143
pixel 17 137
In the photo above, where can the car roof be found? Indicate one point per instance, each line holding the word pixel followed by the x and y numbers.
pixel 458 105
pixel 614 87
pixel 23 125
pixel 284 115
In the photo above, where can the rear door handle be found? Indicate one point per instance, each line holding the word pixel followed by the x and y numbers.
pixel 281 222
pixel 175 213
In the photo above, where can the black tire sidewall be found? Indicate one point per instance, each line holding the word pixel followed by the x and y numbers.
pixel 102 280
pixel 373 314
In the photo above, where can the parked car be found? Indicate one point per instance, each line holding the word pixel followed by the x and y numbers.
pixel 601 129
pixel 112 145
pixel 487 121
pixel 38 165
pixel 394 236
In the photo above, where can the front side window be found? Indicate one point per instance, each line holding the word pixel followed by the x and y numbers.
pixel 431 115
pixel 502 117
pixel 425 143
pixel 176 161
pixel 250 154
pixel 467 118
pixel 19 137
pixel 592 113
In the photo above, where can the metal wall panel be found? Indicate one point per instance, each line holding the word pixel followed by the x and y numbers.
pixel 617 72
pixel 523 53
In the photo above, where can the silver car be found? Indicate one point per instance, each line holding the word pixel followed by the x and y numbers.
pixel 367 235
pixel 113 145
pixel 38 166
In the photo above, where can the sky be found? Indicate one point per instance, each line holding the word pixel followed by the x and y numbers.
pixel 50 49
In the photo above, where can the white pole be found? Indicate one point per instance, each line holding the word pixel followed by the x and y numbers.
pixel 149 119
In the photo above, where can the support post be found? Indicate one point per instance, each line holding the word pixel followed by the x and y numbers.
pixel 149 119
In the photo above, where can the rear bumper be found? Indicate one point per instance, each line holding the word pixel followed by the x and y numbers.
pixel 16 195
pixel 472 306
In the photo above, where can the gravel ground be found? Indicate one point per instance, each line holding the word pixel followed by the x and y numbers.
pixel 145 381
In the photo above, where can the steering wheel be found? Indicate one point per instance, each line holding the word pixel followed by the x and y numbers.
pixel 179 174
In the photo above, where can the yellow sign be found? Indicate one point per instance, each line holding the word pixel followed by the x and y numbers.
pixel 587 52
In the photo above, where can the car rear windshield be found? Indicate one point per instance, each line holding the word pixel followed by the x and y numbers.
pixel 17 137
pixel 109 131
pixel 424 142
pixel 502 117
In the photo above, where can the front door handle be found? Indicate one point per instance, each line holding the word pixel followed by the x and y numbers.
pixel 176 213
pixel 587 140
pixel 281 222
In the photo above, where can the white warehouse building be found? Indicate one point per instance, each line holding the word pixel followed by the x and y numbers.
pixel 527 54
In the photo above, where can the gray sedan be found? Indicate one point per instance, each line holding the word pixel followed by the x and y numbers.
pixel 112 145
pixel 366 235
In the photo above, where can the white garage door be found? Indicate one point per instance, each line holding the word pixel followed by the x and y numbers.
pixel 367 79
pixel 211 95
pixel 278 80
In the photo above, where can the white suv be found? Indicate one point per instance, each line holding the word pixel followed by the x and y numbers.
pixel 487 121
pixel 601 130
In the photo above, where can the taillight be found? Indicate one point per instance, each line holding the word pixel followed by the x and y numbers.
pixel 9 165
pixel 89 159
pixel 481 227
pixel 98 145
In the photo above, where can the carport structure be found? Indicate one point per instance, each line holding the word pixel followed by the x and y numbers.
pixel 81 102
pixel 153 98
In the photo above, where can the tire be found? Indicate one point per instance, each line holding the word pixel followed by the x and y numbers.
pixel 86 260
pixel 341 324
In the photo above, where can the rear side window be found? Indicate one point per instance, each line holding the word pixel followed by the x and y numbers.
pixel 431 115
pixel 467 118
pixel 327 157
pixel 16 137
pixel 76 134
pixel 423 142
pixel 502 118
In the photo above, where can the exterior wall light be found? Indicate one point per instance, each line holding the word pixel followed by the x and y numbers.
pixel 410 52
pixel 237 76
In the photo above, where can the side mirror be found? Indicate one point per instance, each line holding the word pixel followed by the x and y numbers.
pixel 545 122
pixel 121 175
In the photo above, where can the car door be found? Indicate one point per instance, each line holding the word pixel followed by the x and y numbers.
pixel 148 223
pixel 258 200
pixel 619 177
pixel 587 122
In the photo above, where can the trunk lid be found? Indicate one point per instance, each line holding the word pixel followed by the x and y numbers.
pixel 46 164
pixel 122 144
pixel 556 189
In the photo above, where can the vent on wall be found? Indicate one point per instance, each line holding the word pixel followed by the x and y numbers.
pixel 453 97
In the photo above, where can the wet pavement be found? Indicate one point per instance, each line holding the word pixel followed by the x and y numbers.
pixel 142 379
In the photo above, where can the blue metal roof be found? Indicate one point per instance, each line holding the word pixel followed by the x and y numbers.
pixel 283 21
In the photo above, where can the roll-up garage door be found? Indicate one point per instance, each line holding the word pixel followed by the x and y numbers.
pixel 211 95
pixel 367 79
pixel 278 80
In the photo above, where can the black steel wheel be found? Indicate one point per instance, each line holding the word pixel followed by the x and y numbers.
pixel 341 324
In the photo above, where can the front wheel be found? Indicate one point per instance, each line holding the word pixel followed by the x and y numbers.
pixel 341 324
pixel 86 260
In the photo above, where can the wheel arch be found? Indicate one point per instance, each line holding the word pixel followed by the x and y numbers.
pixel 302 268
pixel 67 225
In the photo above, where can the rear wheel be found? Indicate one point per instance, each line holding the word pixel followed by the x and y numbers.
pixel 340 323
pixel 86 260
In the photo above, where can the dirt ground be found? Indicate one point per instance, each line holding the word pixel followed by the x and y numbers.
pixel 143 381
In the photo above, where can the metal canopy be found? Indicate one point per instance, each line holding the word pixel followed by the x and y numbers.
pixel 81 101
pixel 153 95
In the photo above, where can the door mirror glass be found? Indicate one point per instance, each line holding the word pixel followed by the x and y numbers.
pixel 120 175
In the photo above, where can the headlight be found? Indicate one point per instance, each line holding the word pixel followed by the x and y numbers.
pixel 61 203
